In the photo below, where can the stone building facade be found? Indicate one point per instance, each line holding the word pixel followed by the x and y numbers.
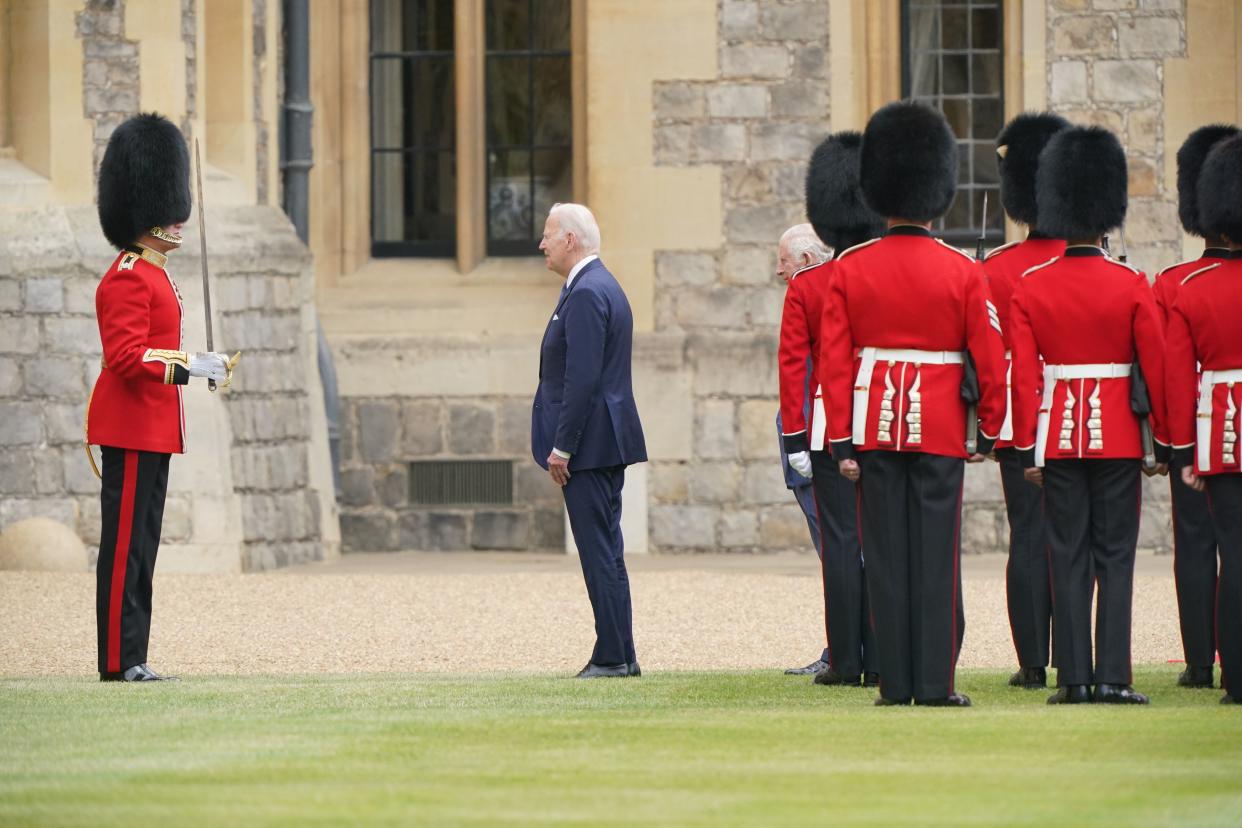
pixel 693 121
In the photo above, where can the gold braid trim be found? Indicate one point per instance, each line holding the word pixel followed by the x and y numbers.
pixel 86 438
pixel 171 359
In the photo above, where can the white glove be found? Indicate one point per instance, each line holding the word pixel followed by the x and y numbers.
pixel 801 463
pixel 210 365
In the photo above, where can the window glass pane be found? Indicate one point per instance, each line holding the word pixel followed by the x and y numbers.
pixel 413 134
pixel 957 112
pixel 553 118
pixel 985 76
pixel 508 101
pixel 433 106
pixel 529 120
pixel 509 196
pixel 554 180
pixel 955 78
pixel 508 25
pixel 985 29
pixel 953 29
pixel 414 196
pixel 996 214
pixel 952 59
pixel 986 169
pixel 551 29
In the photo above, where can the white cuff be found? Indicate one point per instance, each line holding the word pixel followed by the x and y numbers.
pixel 564 455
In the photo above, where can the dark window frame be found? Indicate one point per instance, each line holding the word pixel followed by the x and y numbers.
pixel 968 236
pixel 511 248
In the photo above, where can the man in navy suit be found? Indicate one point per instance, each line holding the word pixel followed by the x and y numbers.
pixel 584 425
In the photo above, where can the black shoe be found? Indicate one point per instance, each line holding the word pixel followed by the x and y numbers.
pixel 832 678
pixel 633 670
pixel 1030 678
pixel 139 672
pixel 593 670
pixel 955 700
pixel 1229 698
pixel 1071 694
pixel 871 679
pixel 1195 677
pixel 1118 694
pixel 883 702
pixel 810 669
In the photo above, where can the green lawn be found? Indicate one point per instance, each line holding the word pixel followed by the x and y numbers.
pixel 677 749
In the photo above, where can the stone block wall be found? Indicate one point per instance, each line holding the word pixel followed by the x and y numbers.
pixel 381 435
pixel 758 121
pixel 1106 61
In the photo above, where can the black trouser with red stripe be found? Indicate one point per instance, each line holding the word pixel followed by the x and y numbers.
pixel 1225 496
pixel 1093 525
pixel 911 511
pixel 1026 573
pixel 134 485
pixel 847 617
pixel 1194 570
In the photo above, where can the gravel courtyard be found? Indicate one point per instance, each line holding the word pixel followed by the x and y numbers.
pixel 472 613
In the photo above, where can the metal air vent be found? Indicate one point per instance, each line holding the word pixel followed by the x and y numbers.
pixel 461 483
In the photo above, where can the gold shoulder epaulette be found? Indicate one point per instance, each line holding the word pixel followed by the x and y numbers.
pixel 850 250
pixel 1200 270
pixel 1031 270
pixel 1001 249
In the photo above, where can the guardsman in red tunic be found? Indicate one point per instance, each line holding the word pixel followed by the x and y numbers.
pixel 841 220
pixel 900 316
pixel 1194 539
pixel 1204 381
pixel 135 413
pixel 1077 323
pixel 1026 575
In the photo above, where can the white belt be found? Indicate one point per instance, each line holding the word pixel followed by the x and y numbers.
pixel 819 420
pixel 1203 421
pixel 1054 373
pixel 866 367
pixel 1006 432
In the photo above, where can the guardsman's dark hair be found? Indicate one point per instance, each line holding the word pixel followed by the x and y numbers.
pixel 1081 186
pixel 908 164
pixel 1194 151
pixel 1220 190
pixel 144 179
pixel 834 203
pixel 1018 147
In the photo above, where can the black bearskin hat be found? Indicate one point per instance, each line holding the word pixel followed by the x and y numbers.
pixel 144 179
pixel 1190 160
pixel 908 166
pixel 1019 146
pixel 1081 187
pixel 1220 190
pixel 834 204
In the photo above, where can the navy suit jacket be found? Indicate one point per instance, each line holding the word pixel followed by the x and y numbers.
pixel 585 401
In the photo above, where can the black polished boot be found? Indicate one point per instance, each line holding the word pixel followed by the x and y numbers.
pixel 955 700
pixel 1029 678
pixel 1071 694
pixel 1195 677
pixel 1118 694
pixel 832 678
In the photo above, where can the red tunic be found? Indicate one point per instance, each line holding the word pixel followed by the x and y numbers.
pixel 1004 267
pixel 1084 315
pixel 804 304
pixel 914 304
pixel 1170 279
pixel 1204 376
pixel 136 403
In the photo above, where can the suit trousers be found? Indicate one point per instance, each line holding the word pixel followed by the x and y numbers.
pixel 132 507
pixel 593 500
pixel 1194 570
pixel 1093 511
pixel 911 512
pixel 847 616
pixel 1225 495
pixel 1026 573
pixel 805 495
